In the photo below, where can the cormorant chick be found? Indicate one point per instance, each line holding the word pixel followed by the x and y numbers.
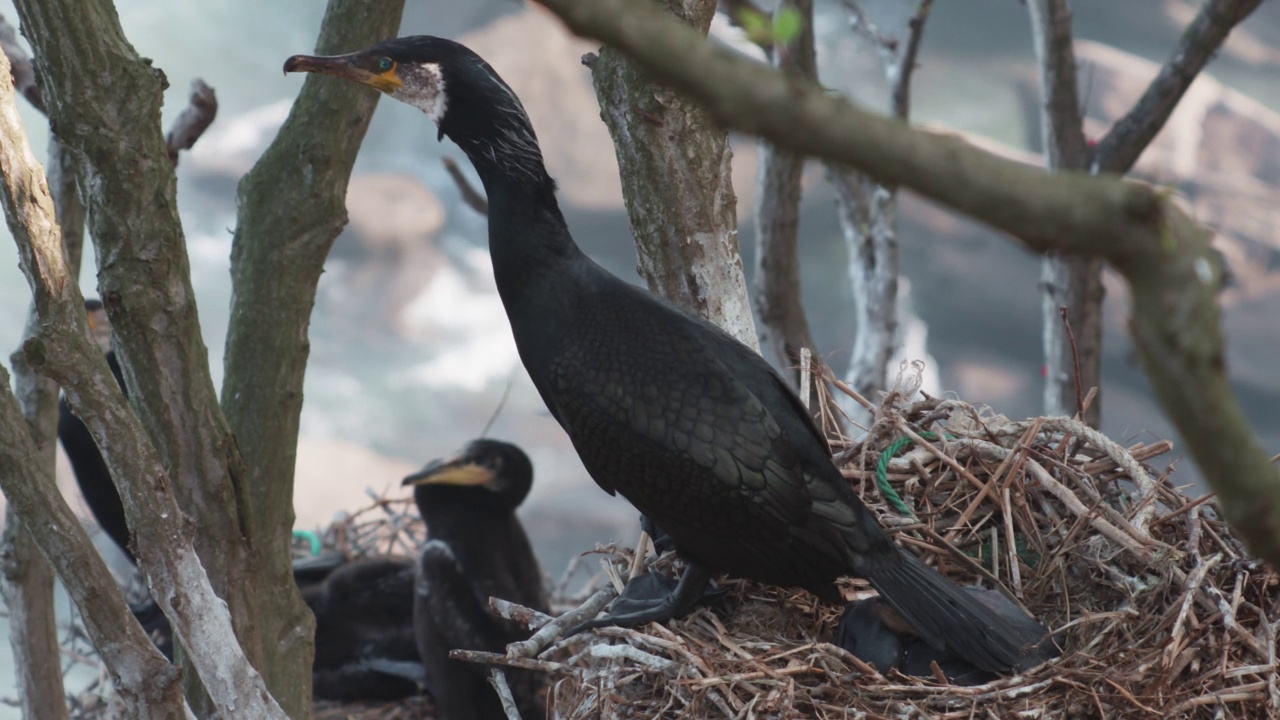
pixel 365 648
pixel 696 429
pixel 475 549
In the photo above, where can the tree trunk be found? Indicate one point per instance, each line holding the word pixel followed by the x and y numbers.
pixel 868 217
pixel 28 578
pixel 105 100
pixel 675 164
pixel 1072 349
pixel 276 261
pixel 784 329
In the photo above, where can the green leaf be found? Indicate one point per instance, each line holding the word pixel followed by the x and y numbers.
pixel 787 24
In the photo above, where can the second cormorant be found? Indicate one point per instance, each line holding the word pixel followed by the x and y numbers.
pixel 476 549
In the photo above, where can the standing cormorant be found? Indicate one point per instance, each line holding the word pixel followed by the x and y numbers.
pixel 694 428
pixel 475 549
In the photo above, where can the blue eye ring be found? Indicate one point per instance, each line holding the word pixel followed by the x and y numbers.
pixel 386 64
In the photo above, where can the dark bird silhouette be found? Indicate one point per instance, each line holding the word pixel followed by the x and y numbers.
pixel 694 428
pixel 365 648
pixel 475 549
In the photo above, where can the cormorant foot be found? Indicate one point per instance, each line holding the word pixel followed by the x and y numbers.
pixel 650 597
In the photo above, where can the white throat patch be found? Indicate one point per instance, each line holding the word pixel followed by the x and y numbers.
pixel 423 88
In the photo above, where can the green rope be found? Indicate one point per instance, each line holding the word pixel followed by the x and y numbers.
pixel 882 473
pixel 312 538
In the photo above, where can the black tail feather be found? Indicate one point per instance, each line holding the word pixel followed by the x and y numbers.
pixel 953 619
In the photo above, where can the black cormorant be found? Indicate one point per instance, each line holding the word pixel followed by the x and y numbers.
pixel 475 549
pixel 694 428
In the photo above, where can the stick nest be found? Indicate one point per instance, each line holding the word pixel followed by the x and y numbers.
pixel 1159 611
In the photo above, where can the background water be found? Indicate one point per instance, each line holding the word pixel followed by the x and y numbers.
pixel 385 394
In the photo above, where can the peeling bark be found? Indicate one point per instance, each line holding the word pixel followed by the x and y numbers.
pixel 28 578
pixel 784 328
pixel 675 164
pixel 1163 253
pixel 276 261
pixel 869 220
pixel 61 349
pixel 104 101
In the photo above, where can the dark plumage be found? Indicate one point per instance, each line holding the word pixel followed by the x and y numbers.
pixel 475 549
pixel 365 648
pixel 690 425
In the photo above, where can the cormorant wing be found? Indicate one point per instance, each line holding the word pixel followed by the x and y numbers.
pixel 459 613
pixel 668 395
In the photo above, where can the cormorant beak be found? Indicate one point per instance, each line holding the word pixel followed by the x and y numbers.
pixel 347 67
pixel 457 471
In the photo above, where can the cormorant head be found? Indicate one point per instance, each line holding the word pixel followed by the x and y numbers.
pixel 99 325
pixel 451 84
pixel 498 469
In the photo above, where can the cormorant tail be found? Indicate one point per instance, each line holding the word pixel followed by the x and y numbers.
pixel 946 615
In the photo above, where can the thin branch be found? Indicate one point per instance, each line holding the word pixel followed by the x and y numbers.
pixel 202 108
pixel 63 351
pixel 1124 143
pixel 472 197
pixel 1062 125
pixel 21 67
pixel 1160 250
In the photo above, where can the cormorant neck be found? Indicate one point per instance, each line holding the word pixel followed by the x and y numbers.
pixel 447 509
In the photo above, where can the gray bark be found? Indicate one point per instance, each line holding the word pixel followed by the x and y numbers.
pixel 276 261
pixel 675 164
pixel 1072 349
pixel 104 101
pixel 62 350
pixel 869 218
pixel 784 329
pixel 28 578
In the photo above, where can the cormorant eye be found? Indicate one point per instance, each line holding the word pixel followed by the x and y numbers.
pixel 385 64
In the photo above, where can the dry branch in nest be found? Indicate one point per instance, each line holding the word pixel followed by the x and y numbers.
pixel 1158 609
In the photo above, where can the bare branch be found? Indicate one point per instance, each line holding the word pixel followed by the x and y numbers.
pixel 1162 252
pixel 201 109
pixel 1129 137
pixel 20 66
pixel 472 197
pixel 869 217
pixel 1062 125
pixel 145 677
pixel 276 261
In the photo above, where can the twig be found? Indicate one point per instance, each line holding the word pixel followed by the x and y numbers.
pixel 632 653
pixel 549 632
pixel 202 108
pixel 515 612
pixel 21 67
pixel 1124 143
pixel 524 663
pixel 499 682
pixel 1064 312
pixel 472 197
